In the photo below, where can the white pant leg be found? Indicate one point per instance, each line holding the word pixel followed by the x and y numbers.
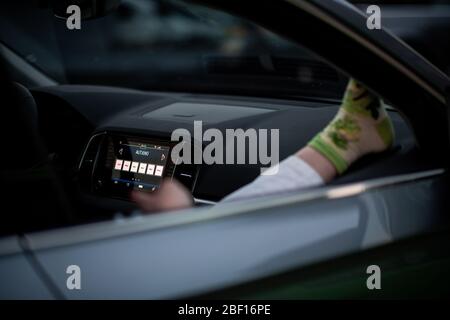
pixel 293 174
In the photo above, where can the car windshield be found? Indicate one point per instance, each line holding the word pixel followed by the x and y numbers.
pixel 167 46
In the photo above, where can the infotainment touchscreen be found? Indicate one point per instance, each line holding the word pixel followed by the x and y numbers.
pixel 136 164
pixel 114 164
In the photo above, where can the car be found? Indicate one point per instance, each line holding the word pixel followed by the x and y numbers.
pixel 87 104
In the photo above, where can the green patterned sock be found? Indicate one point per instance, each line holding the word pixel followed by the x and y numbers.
pixel 361 126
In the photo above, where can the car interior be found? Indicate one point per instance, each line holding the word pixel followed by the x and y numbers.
pixel 79 133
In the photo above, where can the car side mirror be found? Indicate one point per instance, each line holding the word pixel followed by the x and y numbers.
pixel 90 9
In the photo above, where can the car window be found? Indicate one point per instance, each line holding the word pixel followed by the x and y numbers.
pixel 167 45
pixel 174 46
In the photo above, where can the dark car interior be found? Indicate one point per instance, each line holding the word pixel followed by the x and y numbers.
pixel 73 131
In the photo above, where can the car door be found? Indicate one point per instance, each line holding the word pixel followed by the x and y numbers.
pixel 195 252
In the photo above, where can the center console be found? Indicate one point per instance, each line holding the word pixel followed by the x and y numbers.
pixel 114 164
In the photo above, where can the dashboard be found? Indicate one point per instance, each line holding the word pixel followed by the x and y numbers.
pixel 115 140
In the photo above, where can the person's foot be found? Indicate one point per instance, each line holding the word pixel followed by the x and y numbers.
pixel 361 126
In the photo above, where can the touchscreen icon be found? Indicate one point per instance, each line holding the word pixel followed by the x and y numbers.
pixel 150 169
pixel 159 171
pixel 134 166
pixel 126 165
pixel 118 165
pixel 142 168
